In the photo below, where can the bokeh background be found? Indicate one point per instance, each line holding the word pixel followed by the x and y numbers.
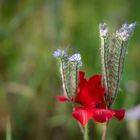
pixel 30 30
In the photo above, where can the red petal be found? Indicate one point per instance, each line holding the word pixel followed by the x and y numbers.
pixel 82 114
pixel 82 82
pixel 62 98
pixel 81 75
pixel 90 93
pixel 86 98
pixel 96 79
pixel 119 114
pixel 95 85
pixel 102 103
pixel 102 115
pixel 90 96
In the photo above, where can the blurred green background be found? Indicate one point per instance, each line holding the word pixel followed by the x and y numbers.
pixel 30 30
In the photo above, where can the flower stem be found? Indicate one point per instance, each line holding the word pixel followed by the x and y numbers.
pixel 105 131
pixel 81 128
pixel 86 133
pixel 8 130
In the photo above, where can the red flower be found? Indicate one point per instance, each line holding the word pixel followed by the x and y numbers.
pixel 90 95
pixel 83 114
pixel 90 92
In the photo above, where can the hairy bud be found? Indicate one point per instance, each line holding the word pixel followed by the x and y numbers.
pixel 69 71
pixel 113 52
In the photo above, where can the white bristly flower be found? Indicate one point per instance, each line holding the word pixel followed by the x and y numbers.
pixel 126 31
pixel 103 29
pixel 60 53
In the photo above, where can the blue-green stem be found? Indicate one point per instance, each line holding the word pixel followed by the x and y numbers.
pixel 86 137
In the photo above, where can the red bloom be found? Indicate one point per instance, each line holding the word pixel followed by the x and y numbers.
pixel 90 95
pixel 91 92
pixel 83 114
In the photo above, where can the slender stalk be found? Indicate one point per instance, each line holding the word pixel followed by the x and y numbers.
pixel 8 130
pixel 105 131
pixel 86 133
pixel 81 128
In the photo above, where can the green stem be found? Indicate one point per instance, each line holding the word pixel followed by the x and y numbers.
pixel 81 128
pixel 105 131
pixel 8 130
pixel 86 133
